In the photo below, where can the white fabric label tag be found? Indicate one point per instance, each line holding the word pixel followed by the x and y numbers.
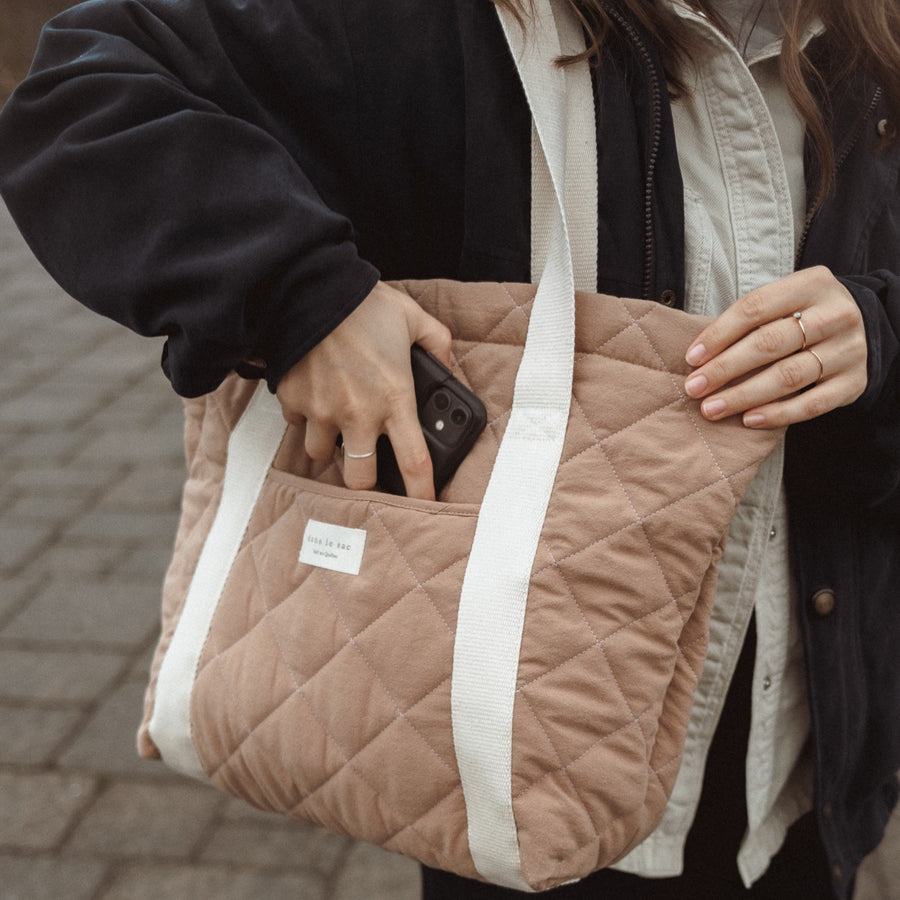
pixel 333 547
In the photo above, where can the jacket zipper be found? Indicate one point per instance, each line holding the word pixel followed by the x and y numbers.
pixel 839 162
pixel 655 140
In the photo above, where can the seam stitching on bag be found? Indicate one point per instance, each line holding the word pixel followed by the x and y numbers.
pixel 516 307
pixel 561 767
pixel 687 407
pixel 581 756
pixel 626 625
pixel 348 759
pixel 258 538
pixel 352 642
pixel 640 520
pixel 599 644
pixel 651 515
pixel 411 571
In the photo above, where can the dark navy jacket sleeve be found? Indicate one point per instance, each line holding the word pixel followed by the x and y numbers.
pixel 849 459
pixel 148 163
pixel 859 446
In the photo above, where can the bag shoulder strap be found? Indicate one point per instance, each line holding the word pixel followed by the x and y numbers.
pixel 495 587
pixel 581 168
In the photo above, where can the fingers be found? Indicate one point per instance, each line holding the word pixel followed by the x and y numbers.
pixel 760 394
pixel 360 459
pixel 413 459
pixel 431 334
pixel 767 344
pixel 772 303
pixel 358 382
pixel 785 353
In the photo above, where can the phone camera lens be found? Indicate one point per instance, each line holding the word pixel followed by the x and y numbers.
pixel 458 416
pixel 441 400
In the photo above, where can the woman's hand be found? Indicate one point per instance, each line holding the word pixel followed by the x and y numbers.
pixel 762 361
pixel 357 382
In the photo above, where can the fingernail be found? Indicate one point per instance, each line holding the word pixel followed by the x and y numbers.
pixel 754 420
pixel 696 385
pixel 695 355
pixel 713 408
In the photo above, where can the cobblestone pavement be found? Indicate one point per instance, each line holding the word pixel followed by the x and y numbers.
pixel 90 441
pixel 90 437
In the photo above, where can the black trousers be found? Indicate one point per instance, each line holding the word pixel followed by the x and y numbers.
pixel 800 869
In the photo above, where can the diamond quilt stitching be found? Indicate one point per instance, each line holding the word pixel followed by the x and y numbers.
pixel 309 798
pixel 662 509
pixel 560 765
pixel 409 567
pixel 599 643
pixel 497 309
pixel 602 740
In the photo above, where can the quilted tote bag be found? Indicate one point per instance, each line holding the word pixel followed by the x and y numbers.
pixel 496 683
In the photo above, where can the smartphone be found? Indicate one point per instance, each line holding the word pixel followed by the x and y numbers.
pixel 452 418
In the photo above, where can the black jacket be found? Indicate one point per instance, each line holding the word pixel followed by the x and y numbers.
pixel 237 175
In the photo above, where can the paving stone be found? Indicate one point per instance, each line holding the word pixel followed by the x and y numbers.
pixel 150 527
pixel 140 670
pixel 78 480
pixel 55 447
pixel 208 883
pixel 46 675
pixel 138 406
pixel 20 542
pixel 123 358
pixel 146 563
pixel 238 811
pixel 72 335
pixel 371 872
pixel 82 560
pixel 294 846
pixel 161 821
pixel 44 508
pixel 49 878
pixel 31 737
pixel 38 809
pixel 15 591
pixel 137 444
pixel 47 411
pixel 107 742
pixel 156 487
pixel 103 611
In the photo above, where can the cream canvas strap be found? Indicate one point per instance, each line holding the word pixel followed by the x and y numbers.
pixel 581 166
pixel 495 588
pixel 251 450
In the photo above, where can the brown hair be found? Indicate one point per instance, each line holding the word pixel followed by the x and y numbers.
pixel 860 35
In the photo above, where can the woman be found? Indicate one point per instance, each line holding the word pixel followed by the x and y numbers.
pixel 240 177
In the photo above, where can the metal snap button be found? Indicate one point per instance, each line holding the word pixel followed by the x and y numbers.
pixel 824 603
pixel 668 298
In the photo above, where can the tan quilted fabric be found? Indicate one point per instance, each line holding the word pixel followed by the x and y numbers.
pixel 327 696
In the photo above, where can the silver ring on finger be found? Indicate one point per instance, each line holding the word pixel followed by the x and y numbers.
pixel 349 455
pixel 798 318
pixel 819 361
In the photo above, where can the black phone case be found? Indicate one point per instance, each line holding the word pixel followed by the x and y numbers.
pixel 450 430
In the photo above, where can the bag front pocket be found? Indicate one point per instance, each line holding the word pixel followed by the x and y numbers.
pixel 335 628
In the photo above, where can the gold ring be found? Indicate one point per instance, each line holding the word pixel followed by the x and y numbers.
pixel 798 318
pixel 819 361
pixel 358 455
